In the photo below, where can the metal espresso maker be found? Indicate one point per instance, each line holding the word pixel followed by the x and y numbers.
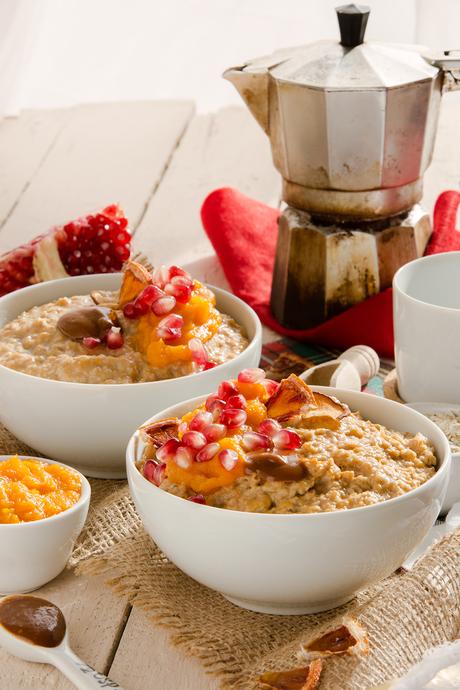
pixel 352 127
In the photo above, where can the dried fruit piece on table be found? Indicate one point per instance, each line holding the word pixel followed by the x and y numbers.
pixel 97 243
pixel 305 678
pixel 292 396
pixel 158 433
pixel 348 638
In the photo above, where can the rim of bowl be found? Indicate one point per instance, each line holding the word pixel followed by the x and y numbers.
pixel 84 496
pixel 431 258
pixel 252 343
pixel 444 465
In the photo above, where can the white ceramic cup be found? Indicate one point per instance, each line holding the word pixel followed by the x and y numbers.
pixel 299 563
pixel 426 313
pixel 33 553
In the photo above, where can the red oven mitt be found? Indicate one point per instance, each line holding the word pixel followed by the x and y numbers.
pixel 243 233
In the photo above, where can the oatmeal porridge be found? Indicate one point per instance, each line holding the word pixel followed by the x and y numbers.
pixel 264 447
pixel 152 329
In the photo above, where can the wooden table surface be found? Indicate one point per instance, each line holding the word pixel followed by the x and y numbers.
pixel 158 160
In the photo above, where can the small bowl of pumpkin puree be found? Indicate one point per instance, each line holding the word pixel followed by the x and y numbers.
pixel 43 507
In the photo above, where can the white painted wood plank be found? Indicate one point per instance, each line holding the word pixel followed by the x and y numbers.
pixel 107 153
pixel 147 659
pixel 95 617
pixel 226 148
pixel 25 142
pixel 444 171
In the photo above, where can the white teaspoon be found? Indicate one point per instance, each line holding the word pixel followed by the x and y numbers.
pixel 34 629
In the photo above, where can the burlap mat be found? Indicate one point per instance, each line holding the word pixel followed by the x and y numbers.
pixel 404 615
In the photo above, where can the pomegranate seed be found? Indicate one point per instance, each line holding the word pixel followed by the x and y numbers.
pixel 214 432
pixel 161 276
pixel 163 305
pixel 255 441
pixel 114 339
pixel 228 459
pixel 200 421
pixel 226 389
pixel 198 350
pixel 133 310
pixel 91 343
pixel 286 439
pixel 182 428
pixel 209 365
pixel 167 451
pixel 148 296
pixel 194 439
pixel 269 427
pixel 214 403
pixel 198 498
pixel 208 452
pixel 177 271
pixel 183 457
pixel 251 375
pixel 232 417
pixel 270 386
pixel 238 401
pixel 170 328
pixel 182 293
pixel 155 472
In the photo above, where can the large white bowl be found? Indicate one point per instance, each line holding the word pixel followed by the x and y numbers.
pixel 293 564
pixel 89 425
pixel 33 553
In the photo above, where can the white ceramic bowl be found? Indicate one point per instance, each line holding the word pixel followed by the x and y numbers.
pixel 33 553
pixel 453 489
pixel 89 425
pixel 293 564
pixel 426 314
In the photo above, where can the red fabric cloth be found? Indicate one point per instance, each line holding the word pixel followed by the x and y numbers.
pixel 243 233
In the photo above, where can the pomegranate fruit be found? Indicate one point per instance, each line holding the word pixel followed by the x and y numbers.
pixel 252 440
pixel 286 439
pixel 208 452
pixel 233 417
pixel 97 243
pixel 228 459
pixel 251 375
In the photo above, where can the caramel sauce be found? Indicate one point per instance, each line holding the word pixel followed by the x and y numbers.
pixel 34 619
pixel 87 322
pixel 276 466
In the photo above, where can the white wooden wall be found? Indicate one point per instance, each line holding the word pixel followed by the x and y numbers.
pixel 55 53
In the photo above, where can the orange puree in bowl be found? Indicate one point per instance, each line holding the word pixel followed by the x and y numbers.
pixel 32 490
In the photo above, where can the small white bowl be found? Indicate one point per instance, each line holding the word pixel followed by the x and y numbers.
pixel 453 489
pixel 88 425
pixel 299 563
pixel 33 553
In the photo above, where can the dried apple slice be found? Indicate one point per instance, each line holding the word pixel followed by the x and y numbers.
pixel 306 678
pixel 135 278
pixel 348 638
pixel 292 396
pixel 159 432
pixel 326 415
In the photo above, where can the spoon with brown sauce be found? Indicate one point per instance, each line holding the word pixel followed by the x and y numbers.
pixel 34 629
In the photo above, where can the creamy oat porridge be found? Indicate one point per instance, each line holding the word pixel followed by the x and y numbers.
pixel 158 326
pixel 264 447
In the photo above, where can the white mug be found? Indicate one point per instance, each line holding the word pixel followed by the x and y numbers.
pixel 426 315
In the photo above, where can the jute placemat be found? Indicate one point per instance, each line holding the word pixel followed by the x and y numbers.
pixel 404 615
